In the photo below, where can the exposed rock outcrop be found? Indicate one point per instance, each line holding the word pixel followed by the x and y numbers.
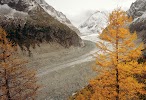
pixel 138 13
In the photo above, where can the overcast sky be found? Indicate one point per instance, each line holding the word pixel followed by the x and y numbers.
pixel 74 8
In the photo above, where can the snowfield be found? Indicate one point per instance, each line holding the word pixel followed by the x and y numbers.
pixel 91 37
pixel 95 23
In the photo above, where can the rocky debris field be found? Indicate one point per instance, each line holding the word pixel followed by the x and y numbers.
pixel 62 71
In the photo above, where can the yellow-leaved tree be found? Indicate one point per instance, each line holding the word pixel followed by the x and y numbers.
pixel 117 63
pixel 17 82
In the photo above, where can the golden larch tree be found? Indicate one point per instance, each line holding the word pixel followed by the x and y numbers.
pixel 118 59
pixel 117 63
pixel 17 82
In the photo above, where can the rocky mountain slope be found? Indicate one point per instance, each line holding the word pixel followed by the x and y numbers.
pixel 57 15
pixel 28 24
pixel 95 23
pixel 138 12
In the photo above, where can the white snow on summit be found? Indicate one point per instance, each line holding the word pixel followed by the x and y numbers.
pixel 95 23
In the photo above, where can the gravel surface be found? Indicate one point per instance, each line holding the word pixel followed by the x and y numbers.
pixel 61 72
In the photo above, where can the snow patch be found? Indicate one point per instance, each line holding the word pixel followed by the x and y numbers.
pixel 8 12
pixel 33 5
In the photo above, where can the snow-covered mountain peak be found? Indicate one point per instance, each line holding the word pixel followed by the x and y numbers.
pixel 95 23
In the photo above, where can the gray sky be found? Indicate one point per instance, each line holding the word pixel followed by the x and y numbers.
pixel 73 8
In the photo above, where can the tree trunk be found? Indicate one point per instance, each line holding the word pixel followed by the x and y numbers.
pixel 116 67
pixel 117 84
pixel 7 94
pixel 8 97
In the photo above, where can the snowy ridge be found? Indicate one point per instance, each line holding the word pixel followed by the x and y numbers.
pixel 57 15
pixel 95 23
pixel 50 10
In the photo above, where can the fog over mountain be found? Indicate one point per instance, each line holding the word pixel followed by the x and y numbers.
pixel 76 10
pixel 78 19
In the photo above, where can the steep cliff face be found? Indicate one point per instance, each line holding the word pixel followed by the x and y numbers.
pixel 137 8
pixel 138 12
pixel 28 24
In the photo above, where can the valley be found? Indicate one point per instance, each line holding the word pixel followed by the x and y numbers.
pixel 62 73
pixel 60 48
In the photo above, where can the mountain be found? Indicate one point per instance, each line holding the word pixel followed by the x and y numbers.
pixel 57 15
pixel 28 24
pixel 138 13
pixel 95 23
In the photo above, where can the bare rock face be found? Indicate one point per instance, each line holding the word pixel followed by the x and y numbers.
pixel 20 5
pixel 138 13
pixel 137 8
pixel 28 24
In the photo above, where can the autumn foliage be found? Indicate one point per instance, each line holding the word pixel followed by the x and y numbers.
pixel 17 82
pixel 116 63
